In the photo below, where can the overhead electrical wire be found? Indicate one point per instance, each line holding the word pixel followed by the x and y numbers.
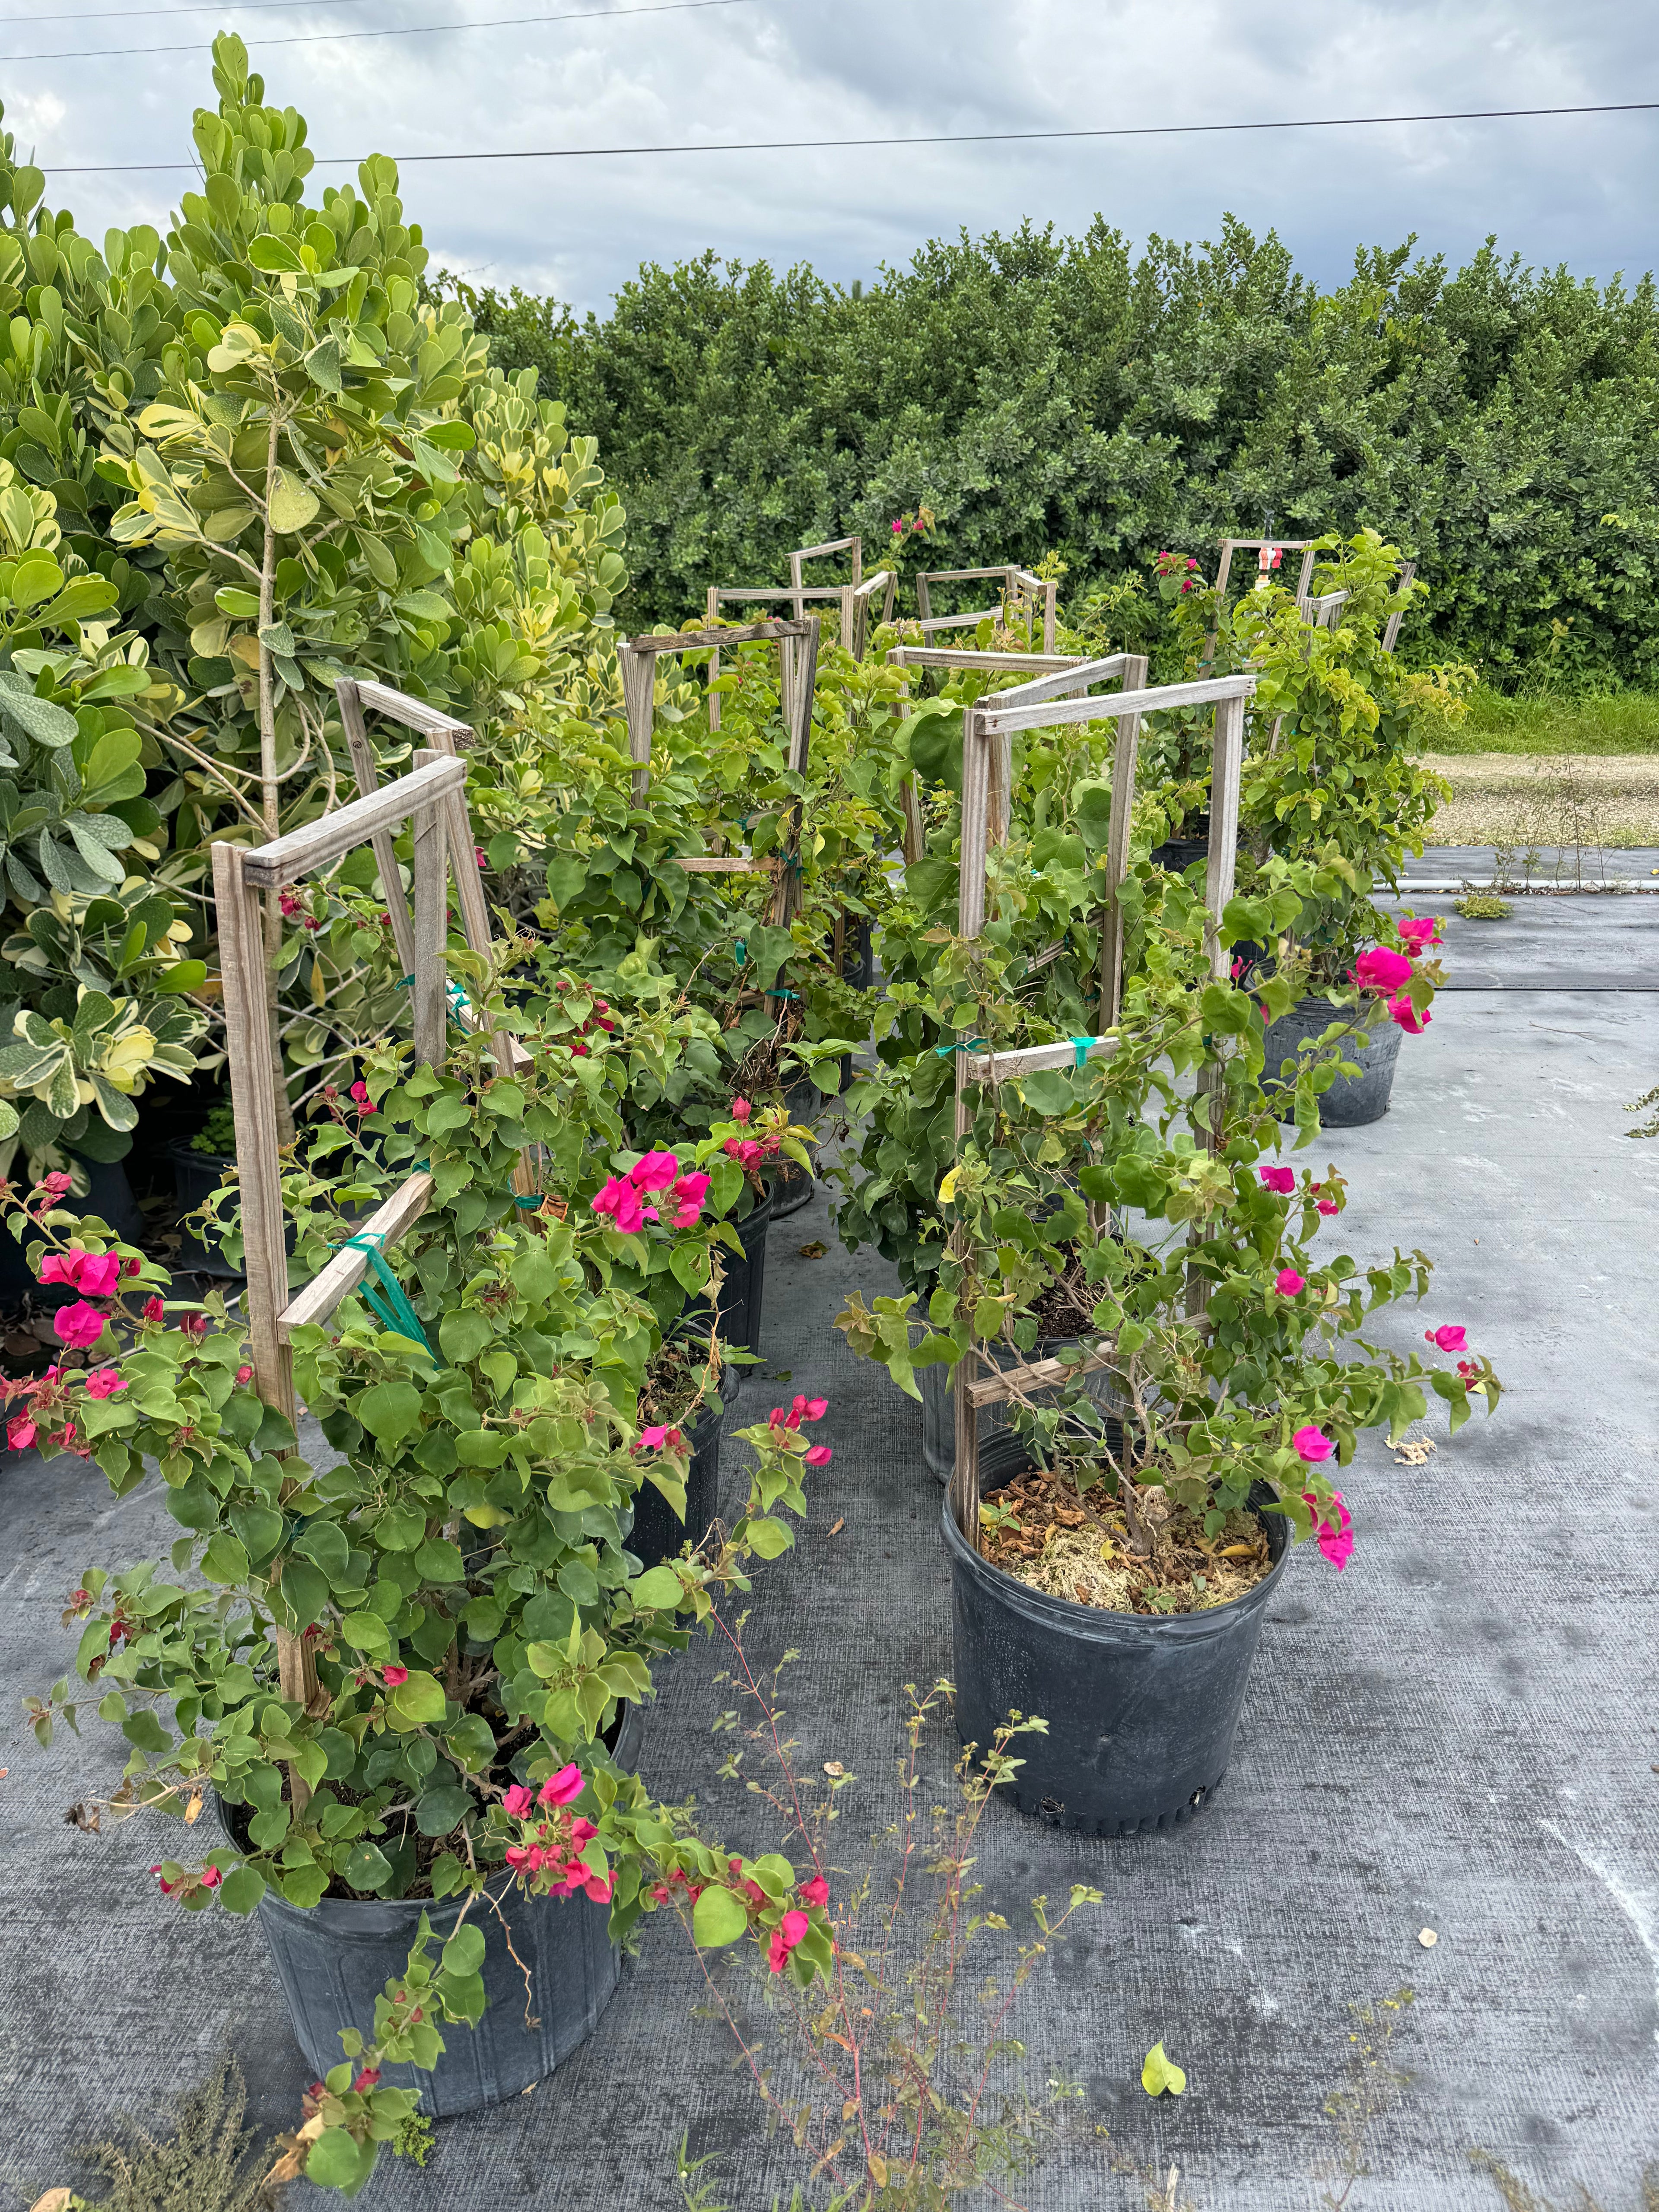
pixel 932 138
pixel 390 31
pixel 128 15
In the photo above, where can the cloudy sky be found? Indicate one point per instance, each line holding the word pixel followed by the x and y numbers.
pixel 1579 189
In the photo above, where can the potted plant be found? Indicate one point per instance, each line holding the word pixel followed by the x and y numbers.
pixel 408 1682
pixel 1115 1577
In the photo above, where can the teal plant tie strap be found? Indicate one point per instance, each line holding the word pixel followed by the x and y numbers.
pixel 1080 1048
pixel 460 1005
pixel 944 1051
pixel 390 1304
pixel 536 1198
pixel 740 946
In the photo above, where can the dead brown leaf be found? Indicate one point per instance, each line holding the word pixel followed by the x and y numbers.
pixel 193 1810
pixel 55 2200
pixel 814 1250
pixel 837 1529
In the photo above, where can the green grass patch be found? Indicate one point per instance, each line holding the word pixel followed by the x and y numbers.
pixel 1611 722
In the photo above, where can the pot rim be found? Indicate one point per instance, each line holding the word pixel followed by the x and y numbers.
pixel 1095 1622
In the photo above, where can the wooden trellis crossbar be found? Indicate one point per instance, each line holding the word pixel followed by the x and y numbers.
pixel 1016 581
pixel 984 725
pixel 1391 628
pixel 852 545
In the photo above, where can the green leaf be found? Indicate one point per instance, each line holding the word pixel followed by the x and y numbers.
pixel 463 1954
pixel 769 1537
pixel 462 1335
pixel 657 1586
pixel 142 1729
pixel 443 1807
pixel 336 2160
pixel 1160 2073
pixel 389 1411
pixel 368 1867
pixel 1091 810
pixel 274 256
pixel 566 878
pixel 224 1559
pixel 242 1889
pixel 37 718
pixel 418 1703
pixel 717 1919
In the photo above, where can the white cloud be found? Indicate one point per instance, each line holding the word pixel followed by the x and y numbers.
pixel 1576 190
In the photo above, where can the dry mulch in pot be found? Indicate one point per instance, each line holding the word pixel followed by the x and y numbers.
pixel 681 1380
pixel 1078 1544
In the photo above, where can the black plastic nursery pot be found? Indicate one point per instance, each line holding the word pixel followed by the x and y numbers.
pixel 334 1958
pixel 196 1177
pixel 1141 1708
pixel 1352 1100
pixel 659 1531
pixel 742 1293
pixel 792 1184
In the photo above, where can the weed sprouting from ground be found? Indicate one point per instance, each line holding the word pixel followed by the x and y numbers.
pixel 1372 2084
pixel 1519 2198
pixel 904 2087
pixel 211 2161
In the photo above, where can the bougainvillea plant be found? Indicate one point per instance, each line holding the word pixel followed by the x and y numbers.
pixel 460 1577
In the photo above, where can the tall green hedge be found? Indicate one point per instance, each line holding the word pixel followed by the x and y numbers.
pixel 1043 394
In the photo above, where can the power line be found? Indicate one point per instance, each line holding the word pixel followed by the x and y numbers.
pixel 938 138
pixel 208 7
pixel 395 31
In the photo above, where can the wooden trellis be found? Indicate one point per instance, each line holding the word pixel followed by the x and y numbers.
pixel 1017 583
pixel 986 727
pixel 431 797
pixel 798 668
pixel 852 599
pixel 1077 668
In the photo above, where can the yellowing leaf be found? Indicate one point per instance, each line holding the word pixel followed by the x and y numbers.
pixel 1158 2073
pixel 947 1189
pixel 290 505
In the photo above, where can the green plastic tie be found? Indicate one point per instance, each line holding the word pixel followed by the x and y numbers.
pixel 740 946
pixel 1080 1048
pixel 460 1005
pixel 944 1051
pixel 390 1304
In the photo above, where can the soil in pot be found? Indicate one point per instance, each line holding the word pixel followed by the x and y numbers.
pixel 1056 1530
pixel 1142 1707
pixel 1352 1100
pixel 334 1958
pixel 682 1390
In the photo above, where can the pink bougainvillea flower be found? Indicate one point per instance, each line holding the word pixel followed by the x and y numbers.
pixel 94 1274
pixel 816 1892
pixel 1335 1537
pixel 193 1324
pixel 369 2079
pixel 655 1439
pixel 245 1374
pixel 688 1194
pixel 788 1933
pixel 1312 1445
pixel 819 1456
pixel 559 1789
pixel 289 904
pixel 1287 1282
pixel 517 1802
pixel 1400 1010
pixel 656 1171
pixel 1283 1179
pixel 598 1886
pixel 1328 1206
pixel 395 1676
pixel 741 1109
pixel 79 1325
pixel 57 1185
pixel 621 1202
pixel 1420 932
pixel 21 1432
pixel 104 1382
pixel 153 1310
pixel 359 1095
pixel 1382 969
pixel 518 1857
pixel 130 1266
pixel 211 1877
pixel 1449 1337
pixel 744 1151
